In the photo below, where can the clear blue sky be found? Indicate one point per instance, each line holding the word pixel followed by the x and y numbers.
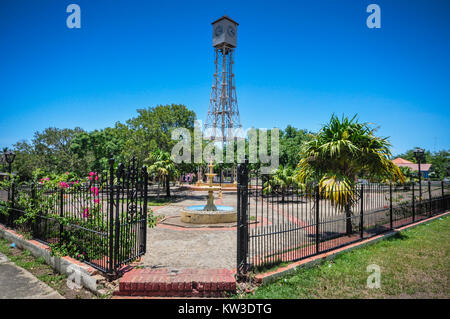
pixel 296 63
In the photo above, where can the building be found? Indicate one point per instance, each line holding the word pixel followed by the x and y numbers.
pixel 424 168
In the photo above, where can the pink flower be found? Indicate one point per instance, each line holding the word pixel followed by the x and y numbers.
pixel 86 213
pixel 96 200
pixel 94 190
pixel 67 173
pixel 64 185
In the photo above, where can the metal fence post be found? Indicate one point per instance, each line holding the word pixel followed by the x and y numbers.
pixel 429 197
pixel 413 204
pixel 242 229
pixel 361 224
pixel 144 224
pixel 61 214
pixel 12 208
pixel 111 214
pixel 120 173
pixel 390 206
pixel 443 197
pixel 317 201
pixel 33 201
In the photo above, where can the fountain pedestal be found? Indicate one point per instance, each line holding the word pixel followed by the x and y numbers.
pixel 209 213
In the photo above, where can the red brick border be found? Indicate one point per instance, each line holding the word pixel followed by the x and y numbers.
pixel 161 282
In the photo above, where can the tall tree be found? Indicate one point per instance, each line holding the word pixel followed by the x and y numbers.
pixel 152 128
pixel 94 148
pixel 291 139
pixel 338 153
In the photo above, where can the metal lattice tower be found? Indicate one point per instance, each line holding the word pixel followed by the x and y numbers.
pixel 223 113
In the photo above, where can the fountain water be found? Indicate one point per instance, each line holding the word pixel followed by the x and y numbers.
pixel 209 213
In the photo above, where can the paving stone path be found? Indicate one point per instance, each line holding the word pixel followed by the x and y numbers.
pixel 186 247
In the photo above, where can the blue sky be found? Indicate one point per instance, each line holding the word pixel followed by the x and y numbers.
pixel 296 63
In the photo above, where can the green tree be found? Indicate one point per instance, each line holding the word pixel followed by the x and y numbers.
pixel 48 150
pixel 280 181
pixel 291 139
pixel 151 130
pixel 94 148
pixel 163 167
pixel 440 164
pixel 341 150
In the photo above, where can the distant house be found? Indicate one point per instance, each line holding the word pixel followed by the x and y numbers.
pixel 424 168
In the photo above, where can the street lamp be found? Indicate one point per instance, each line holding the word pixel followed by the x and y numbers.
pixel 9 157
pixel 418 153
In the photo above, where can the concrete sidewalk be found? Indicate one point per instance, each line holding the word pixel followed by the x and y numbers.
pixel 17 283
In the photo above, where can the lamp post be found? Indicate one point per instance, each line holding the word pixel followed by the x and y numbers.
pixel 9 158
pixel 418 153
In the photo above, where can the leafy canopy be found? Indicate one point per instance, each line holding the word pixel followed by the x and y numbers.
pixel 342 150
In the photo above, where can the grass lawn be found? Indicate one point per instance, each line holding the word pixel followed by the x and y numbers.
pixel 414 264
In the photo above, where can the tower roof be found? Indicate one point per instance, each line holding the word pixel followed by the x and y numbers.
pixel 225 17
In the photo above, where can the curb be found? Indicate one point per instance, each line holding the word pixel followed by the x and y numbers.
pixel 309 262
pixel 89 276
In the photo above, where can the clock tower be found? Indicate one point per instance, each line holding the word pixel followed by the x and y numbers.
pixel 224 32
pixel 223 113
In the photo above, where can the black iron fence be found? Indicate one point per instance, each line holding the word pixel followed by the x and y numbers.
pixel 293 223
pixel 102 222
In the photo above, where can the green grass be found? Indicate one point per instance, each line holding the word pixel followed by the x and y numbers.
pixel 414 264
pixel 161 202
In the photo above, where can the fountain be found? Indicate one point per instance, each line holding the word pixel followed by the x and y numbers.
pixel 209 213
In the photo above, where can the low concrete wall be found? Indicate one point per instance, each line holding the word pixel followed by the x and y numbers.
pixel 89 276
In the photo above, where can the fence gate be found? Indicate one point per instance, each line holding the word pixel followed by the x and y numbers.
pixel 128 210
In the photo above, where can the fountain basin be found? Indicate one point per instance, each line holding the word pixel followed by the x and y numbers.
pixel 196 215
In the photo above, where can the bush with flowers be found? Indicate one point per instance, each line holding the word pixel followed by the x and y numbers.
pixel 39 207
pixel 83 230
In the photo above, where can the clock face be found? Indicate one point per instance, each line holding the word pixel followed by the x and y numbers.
pixel 218 31
pixel 231 31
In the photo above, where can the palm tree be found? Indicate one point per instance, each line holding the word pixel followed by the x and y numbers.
pixel 342 149
pixel 281 180
pixel 162 165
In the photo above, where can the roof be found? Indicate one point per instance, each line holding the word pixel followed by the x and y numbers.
pixel 225 17
pixel 400 162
